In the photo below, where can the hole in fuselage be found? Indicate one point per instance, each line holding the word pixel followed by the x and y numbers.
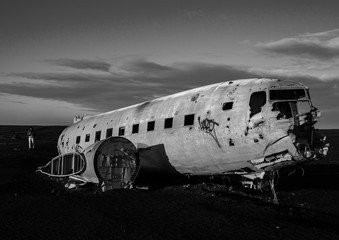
pixel 117 163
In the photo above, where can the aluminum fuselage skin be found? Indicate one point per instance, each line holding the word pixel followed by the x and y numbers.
pixel 221 139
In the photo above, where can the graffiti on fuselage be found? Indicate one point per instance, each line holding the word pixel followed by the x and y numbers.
pixel 208 126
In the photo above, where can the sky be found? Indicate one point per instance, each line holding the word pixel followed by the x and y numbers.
pixel 63 58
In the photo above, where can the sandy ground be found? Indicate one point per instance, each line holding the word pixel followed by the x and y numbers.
pixel 308 206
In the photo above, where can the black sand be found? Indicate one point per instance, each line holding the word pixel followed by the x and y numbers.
pixel 308 206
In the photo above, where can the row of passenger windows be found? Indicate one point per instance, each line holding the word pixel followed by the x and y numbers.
pixel 168 123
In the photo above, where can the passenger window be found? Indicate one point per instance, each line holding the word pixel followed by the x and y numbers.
pixel 87 137
pixel 97 136
pixel 109 132
pixel 189 120
pixel 284 110
pixel 135 128
pixel 168 123
pixel 77 140
pixel 150 126
pixel 258 99
pixel 227 106
pixel 121 131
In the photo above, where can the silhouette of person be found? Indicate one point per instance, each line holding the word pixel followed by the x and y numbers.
pixel 31 136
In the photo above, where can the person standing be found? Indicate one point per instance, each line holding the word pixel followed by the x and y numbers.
pixel 31 135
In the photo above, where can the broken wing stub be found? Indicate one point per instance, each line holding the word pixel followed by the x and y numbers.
pixel 109 164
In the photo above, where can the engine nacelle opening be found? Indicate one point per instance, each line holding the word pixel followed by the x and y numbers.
pixel 111 163
pixel 116 163
pixel 64 165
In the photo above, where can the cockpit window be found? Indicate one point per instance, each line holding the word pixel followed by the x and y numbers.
pixel 284 110
pixel 287 94
pixel 303 107
pixel 258 99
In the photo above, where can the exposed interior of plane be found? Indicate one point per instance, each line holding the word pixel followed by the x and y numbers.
pixel 248 127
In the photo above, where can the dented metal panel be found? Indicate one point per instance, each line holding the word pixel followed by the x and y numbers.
pixel 254 124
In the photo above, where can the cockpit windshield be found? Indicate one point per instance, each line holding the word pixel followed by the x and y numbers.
pixel 290 103
pixel 287 94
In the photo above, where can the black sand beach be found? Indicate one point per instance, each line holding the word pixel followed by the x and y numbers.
pixel 308 206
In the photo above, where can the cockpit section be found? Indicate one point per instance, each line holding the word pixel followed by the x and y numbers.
pixel 288 116
pixel 287 94
pixel 294 108
pixel 293 104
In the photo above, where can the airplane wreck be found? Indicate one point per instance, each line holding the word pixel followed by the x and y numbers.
pixel 249 128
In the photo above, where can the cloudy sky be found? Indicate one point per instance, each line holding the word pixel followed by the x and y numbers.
pixel 62 58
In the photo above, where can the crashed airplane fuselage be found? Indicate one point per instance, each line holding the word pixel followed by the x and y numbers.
pixel 247 127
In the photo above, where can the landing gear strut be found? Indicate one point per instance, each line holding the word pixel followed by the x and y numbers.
pixel 263 182
pixel 271 180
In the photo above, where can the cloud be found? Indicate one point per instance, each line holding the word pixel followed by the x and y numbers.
pixel 134 81
pixel 321 46
pixel 84 64
pixel 141 80
pixel 62 78
pixel 144 67
pixel 18 102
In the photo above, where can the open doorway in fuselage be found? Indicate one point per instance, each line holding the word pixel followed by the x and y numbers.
pixel 257 102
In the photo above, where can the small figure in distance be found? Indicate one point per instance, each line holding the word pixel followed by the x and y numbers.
pixel 31 136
